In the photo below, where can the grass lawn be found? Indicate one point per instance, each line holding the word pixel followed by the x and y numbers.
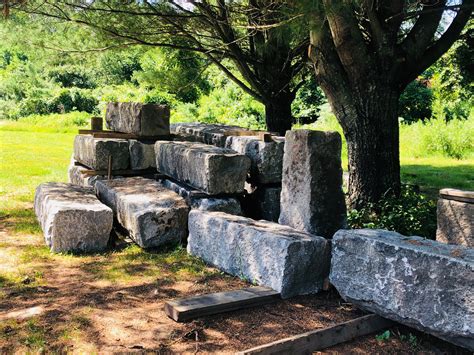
pixel 113 301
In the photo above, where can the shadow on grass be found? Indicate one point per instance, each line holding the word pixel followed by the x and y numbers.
pixel 20 220
pixel 433 178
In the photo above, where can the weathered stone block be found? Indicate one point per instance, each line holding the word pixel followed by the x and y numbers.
pixel 290 262
pixel 94 152
pixel 268 202
pixel 312 199
pixel 142 155
pixel 137 118
pixel 456 217
pixel 215 134
pixel 414 281
pixel 72 218
pixel 152 214
pixel 199 200
pixel 210 169
pixel 266 157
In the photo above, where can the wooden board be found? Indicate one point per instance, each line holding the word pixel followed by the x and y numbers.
pixel 204 305
pixel 119 172
pixel 306 343
pixel 120 135
pixel 457 195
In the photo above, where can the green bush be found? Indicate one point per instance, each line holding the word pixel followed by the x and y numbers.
pixel 453 139
pixel 409 214
pixel 415 102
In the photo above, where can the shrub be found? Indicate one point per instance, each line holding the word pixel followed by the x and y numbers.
pixel 409 214
pixel 415 102
pixel 452 139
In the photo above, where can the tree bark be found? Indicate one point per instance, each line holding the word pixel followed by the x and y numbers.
pixel 370 122
pixel 278 113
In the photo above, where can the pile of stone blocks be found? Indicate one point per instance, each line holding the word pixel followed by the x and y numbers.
pixel 421 283
pixel 262 197
pixel 456 217
pixel 133 157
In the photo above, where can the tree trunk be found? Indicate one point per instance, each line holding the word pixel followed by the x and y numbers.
pixel 372 133
pixel 278 113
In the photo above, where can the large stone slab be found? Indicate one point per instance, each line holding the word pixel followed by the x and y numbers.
pixel 138 118
pixel 94 152
pixel 211 169
pixel 266 157
pixel 142 155
pixel 312 199
pixel 266 253
pixel 456 217
pixel 72 218
pixel 215 134
pixel 414 281
pixel 199 200
pixel 152 214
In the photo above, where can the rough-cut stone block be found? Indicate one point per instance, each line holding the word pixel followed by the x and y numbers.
pixel 199 200
pixel 142 155
pixel 312 199
pixel 272 255
pixel 210 169
pixel 137 118
pixel 414 281
pixel 268 202
pixel 152 214
pixel 94 152
pixel 266 157
pixel 215 134
pixel 456 217
pixel 72 218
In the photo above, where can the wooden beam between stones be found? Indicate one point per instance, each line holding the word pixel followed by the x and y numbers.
pixel 306 343
pixel 204 305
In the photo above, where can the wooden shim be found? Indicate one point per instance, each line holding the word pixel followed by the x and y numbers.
pixel 119 172
pixel 204 305
pixel 120 135
pixel 306 343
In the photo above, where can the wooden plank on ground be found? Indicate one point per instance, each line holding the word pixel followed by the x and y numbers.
pixel 306 343
pixel 204 305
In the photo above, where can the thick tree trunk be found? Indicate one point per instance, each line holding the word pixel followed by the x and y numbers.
pixel 372 133
pixel 278 114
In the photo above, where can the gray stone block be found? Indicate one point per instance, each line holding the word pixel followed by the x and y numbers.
pixel 215 134
pixel 72 218
pixel 269 254
pixel 312 199
pixel 94 152
pixel 268 202
pixel 152 214
pixel 455 221
pixel 210 169
pixel 417 282
pixel 266 157
pixel 199 200
pixel 138 118
pixel 142 155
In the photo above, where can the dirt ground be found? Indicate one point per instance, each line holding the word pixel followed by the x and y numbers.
pixel 64 303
